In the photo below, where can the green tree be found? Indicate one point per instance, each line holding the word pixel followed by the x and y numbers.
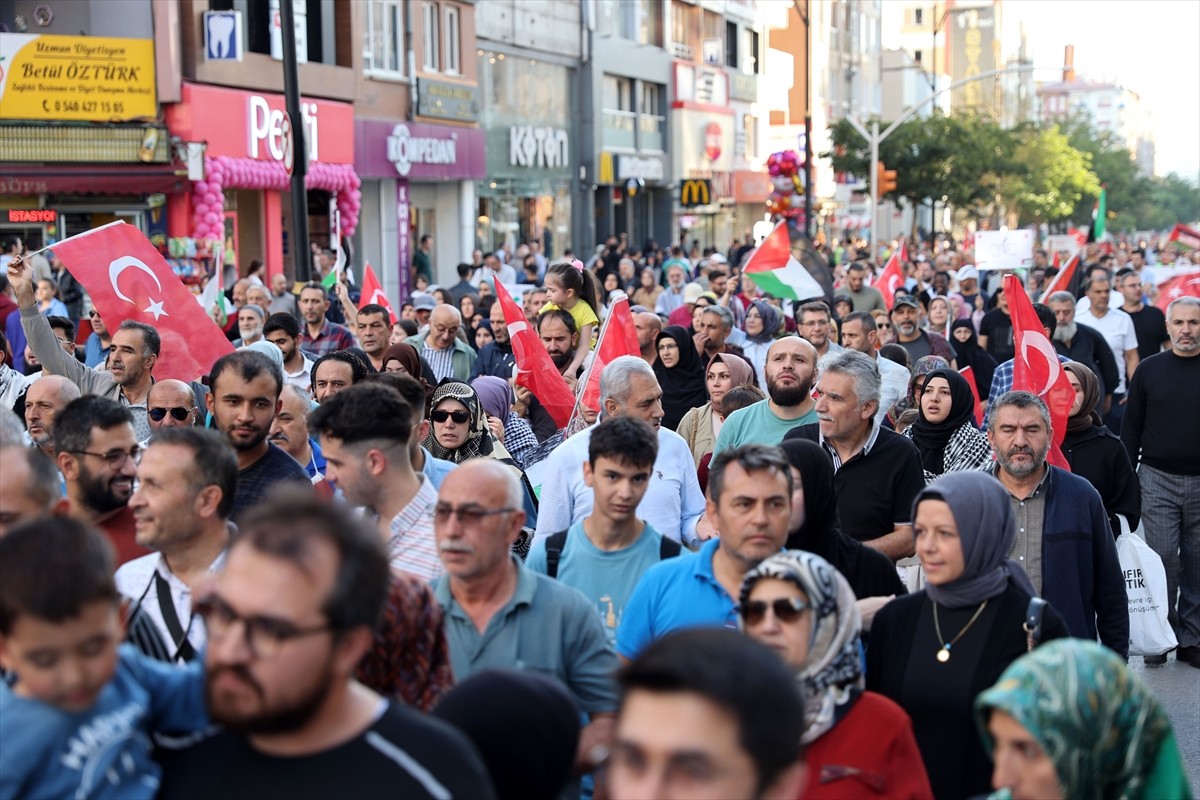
pixel 1127 190
pixel 1053 179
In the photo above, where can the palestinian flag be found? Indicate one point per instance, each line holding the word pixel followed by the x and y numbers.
pixel 1184 238
pixel 1099 216
pixel 776 271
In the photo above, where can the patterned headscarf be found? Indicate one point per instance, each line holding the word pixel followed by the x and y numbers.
pixel 479 442
pixel 1106 733
pixel 831 678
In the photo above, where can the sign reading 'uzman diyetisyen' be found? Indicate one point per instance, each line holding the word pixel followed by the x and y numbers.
pixel 90 78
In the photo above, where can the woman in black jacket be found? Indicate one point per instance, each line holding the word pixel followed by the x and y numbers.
pixel 1095 453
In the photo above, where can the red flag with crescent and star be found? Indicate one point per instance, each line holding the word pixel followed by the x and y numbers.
pixel 617 338
pixel 535 371
pixel 1036 367
pixel 1185 285
pixel 128 279
pixel 372 292
pixel 892 277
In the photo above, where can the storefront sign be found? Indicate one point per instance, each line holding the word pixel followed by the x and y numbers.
pixel 443 100
pixel 530 146
pixel 251 125
pixel 744 87
pixel 712 141
pixel 34 216
pixel 648 168
pixel 403 238
pixel 751 187
pixel 86 78
pixel 694 193
pixel 417 151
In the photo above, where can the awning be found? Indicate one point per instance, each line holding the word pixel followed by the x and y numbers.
pixel 33 179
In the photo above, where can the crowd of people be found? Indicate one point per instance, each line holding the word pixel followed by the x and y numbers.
pixel 795 552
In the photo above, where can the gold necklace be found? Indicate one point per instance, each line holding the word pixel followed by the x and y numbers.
pixel 943 655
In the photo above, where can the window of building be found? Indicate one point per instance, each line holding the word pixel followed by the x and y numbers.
pixel 731 45
pixel 753 56
pixel 383 37
pixel 649 21
pixel 618 93
pixel 919 17
pixel 750 129
pixel 431 37
pixel 917 56
pixel 681 17
pixel 453 43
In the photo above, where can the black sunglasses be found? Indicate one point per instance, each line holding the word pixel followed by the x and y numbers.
pixel 786 609
pixel 178 412
pixel 441 415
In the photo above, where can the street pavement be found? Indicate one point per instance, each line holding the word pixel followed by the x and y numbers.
pixel 1177 686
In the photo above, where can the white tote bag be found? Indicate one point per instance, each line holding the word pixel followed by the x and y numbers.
pixel 1150 633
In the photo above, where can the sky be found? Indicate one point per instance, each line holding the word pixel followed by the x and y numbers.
pixel 1148 46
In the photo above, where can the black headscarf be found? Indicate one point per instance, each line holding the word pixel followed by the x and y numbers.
pixel 525 726
pixel 931 438
pixel 682 385
pixel 970 354
pixel 869 572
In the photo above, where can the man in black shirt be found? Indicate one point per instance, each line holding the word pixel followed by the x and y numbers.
pixel 996 330
pixel 288 619
pixel 1149 323
pixel 244 401
pixel 878 472
pixel 1161 428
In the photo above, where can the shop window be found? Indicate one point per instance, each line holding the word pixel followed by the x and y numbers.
pixel 383 37
pixel 430 14
pixel 453 49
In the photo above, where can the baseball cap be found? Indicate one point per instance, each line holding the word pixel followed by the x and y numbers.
pixel 906 300
pixel 968 274
pixel 692 292
pixel 424 303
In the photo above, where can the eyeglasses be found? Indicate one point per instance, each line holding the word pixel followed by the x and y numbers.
pixel 263 636
pixel 115 458
pixel 469 515
pixel 786 609
pixel 93 314
pixel 178 412
pixel 441 415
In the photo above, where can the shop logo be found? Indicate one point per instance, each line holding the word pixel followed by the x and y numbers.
pixel 271 129
pixel 404 150
pixel 529 146
pixel 712 141
pixel 695 193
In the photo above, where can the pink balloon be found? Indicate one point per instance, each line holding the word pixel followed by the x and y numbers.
pixel 211 218
pixel 201 209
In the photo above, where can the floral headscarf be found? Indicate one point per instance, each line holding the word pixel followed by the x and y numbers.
pixel 1106 733
pixel 832 678
pixel 479 442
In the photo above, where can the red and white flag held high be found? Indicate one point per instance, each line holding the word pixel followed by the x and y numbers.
pixel 892 277
pixel 535 371
pixel 1061 281
pixel 1036 367
pixel 373 293
pixel 617 338
pixel 969 374
pixel 128 279
pixel 1185 285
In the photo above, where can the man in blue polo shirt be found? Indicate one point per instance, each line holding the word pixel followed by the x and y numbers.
pixel 750 499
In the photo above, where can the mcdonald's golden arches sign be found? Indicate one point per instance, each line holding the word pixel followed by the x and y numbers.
pixel 695 192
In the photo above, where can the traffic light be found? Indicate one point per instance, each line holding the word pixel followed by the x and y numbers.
pixel 885 179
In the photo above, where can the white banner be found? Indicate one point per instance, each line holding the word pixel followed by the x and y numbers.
pixel 1004 249
pixel 1062 243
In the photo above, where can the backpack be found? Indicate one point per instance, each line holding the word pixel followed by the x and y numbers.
pixel 667 548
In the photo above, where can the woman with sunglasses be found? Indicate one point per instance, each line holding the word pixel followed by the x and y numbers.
pixel 858 743
pixel 934 651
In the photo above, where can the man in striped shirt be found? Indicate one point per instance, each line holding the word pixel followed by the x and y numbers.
pixel 448 355
pixel 364 432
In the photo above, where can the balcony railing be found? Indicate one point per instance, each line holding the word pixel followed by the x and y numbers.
pixel 619 128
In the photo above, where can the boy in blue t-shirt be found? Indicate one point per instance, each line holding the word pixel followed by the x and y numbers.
pixel 605 554
pixel 77 714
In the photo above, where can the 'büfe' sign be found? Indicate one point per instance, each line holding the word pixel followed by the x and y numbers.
pixel 45 77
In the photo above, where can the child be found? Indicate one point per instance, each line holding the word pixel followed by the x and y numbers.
pixel 76 720
pixel 571 288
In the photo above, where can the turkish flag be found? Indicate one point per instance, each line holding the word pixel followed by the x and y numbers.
pixel 1186 285
pixel 1061 281
pixel 128 279
pixel 1036 367
pixel 535 371
pixel 891 278
pixel 617 338
pixel 372 292
pixel 969 374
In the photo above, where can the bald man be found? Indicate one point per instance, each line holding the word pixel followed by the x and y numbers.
pixel 45 397
pixel 29 486
pixel 648 326
pixel 790 370
pixel 172 404
pixel 447 354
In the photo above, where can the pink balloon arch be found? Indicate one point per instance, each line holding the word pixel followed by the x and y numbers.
pixel 208 196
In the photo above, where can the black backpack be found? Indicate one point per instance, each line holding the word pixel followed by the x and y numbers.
pixel 667 548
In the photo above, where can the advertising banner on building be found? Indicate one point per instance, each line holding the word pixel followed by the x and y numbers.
pixel 82 78
pixel 972 33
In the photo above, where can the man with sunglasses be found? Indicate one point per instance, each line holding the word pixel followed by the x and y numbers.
pixel 97 453
pixel 500 614
pixel 289 617
pixel 172 404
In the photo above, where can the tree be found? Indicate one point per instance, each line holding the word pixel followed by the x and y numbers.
pixel 1054 176
pixel 1117 172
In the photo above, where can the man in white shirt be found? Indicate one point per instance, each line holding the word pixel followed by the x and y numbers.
pixel 673 502
pixel 1117 329
pixel 860 333
pixel 187 479
pixel 283 331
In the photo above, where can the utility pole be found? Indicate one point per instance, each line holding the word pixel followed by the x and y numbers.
pixel 302 260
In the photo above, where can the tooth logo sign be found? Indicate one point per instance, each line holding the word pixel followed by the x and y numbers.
pixel 223 36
